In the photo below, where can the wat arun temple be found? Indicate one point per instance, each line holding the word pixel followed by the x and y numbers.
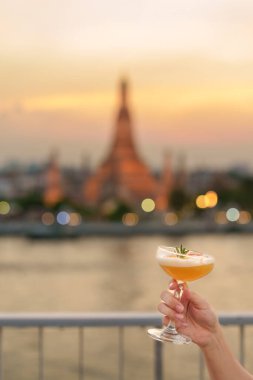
pixel 122 175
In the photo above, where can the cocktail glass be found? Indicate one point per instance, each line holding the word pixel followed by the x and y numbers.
pixel 182 267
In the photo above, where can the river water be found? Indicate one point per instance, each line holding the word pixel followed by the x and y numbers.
pixel 111 274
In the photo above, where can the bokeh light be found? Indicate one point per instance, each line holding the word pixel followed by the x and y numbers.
pixel 148 205
pixel 130 219
pixel 48 218
pixel 75 219
pixel 63 218
pixel 170 218
pixel 232 214
pixel 245 217
pixel 221 218
pixel 211 198
pixel 5 208
pixel 201 201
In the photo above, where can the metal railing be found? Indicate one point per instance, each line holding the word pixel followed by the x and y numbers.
pixel 121 321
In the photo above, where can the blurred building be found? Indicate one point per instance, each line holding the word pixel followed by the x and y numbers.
pixel 54 191
pixel 61 184
pixel 16 181
pixel 123 176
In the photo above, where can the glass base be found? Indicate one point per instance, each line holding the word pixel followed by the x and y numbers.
pixel 163 335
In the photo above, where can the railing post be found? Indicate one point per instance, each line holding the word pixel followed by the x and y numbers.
pixel 158 360
pixel 1 354
pixel 242 353
pixel 121 354
pixel 41 353
pixel 201 366
pixel 81 353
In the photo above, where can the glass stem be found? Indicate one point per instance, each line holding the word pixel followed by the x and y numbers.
pixel 170 328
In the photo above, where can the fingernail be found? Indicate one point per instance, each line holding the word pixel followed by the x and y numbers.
pixel 179 316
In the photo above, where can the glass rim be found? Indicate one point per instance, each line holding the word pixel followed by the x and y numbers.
pixel 173 251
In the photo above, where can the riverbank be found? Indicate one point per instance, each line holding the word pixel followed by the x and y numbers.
pixel 38 230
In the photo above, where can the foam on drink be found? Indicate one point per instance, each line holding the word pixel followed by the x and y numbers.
pixel 187 267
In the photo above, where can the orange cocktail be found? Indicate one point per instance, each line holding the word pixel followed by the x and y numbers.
pixel 188 267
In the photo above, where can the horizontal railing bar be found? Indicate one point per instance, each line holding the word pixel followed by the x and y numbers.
pixel 236 318
pixel 103 319
pixel 79 319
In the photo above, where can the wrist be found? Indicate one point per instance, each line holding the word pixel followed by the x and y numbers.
pixel 214 340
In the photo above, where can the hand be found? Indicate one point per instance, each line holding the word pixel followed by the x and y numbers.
pixel 193 316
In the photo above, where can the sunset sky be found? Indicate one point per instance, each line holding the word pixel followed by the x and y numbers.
pixel 189 65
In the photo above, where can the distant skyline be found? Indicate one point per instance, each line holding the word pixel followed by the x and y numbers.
pixel 189 66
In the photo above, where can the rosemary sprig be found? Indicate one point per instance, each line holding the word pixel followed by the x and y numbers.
pixel 181 251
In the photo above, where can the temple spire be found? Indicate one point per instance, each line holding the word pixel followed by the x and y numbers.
pixel 123 143
pixel 123 92
pixel 123 176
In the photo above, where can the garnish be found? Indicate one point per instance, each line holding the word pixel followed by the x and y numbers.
pixel 181 251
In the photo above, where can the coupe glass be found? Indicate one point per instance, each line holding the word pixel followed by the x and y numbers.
pixel 182 267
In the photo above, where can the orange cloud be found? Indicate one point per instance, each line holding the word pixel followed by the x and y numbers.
pixel 63 101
